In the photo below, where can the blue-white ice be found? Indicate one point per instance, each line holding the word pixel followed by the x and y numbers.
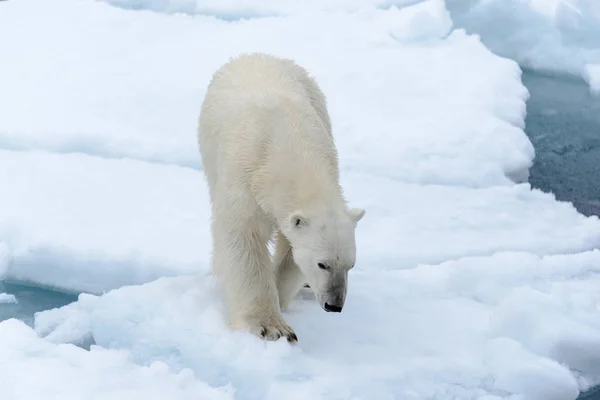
pixel 7 298
pixel 558 36
pixel 468 284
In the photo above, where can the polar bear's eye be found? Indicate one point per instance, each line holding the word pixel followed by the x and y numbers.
pixel 323 266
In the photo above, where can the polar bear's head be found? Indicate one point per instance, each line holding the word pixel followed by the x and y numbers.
pixel 324 248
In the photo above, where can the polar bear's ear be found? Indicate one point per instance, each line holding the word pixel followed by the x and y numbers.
pixel 298 220
pixel 356 214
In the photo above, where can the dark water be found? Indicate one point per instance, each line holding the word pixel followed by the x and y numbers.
pixel 593 394
pixel 30 300
pixel 563 122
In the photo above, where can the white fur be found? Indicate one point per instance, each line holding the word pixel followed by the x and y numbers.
pixel 272 169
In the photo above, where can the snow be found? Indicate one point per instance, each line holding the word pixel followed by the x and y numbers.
pixel 150 87
pixel 462 329
pixel 97 224
pixel 592 76
pixel 236 9
pixel 7 298
pixel 4 259
pixel 81 223
pixel 66 372
pixel 468 283
pixel 556 36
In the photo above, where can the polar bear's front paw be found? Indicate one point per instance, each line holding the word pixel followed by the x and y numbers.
pixel 273 330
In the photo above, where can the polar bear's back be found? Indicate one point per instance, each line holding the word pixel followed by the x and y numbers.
pixel 262 79
pixel 258 108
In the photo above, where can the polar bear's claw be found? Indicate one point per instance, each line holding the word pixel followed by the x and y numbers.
pixel 275 331
pixel 292 338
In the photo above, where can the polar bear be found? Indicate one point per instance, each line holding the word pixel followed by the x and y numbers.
pixel 271 166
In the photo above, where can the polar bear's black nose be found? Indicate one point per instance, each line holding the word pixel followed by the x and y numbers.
pixel 332 308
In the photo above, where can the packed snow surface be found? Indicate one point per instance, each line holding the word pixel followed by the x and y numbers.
pixel 558 36
pixel 468 283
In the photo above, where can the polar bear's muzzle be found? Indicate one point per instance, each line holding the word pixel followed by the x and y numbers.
pixel 332 300
pixel 332 308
